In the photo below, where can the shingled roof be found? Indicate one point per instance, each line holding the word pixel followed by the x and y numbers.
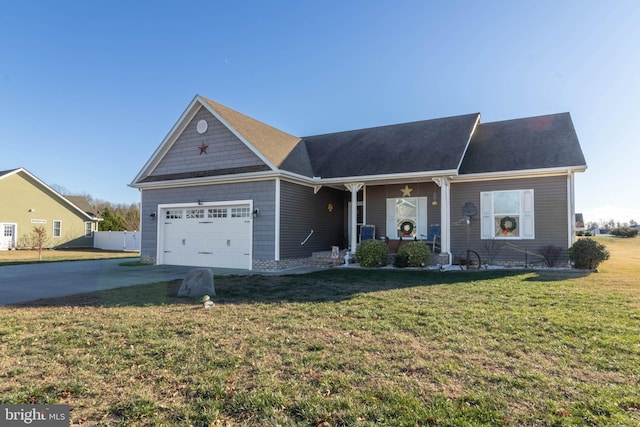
pixel 8 171
pixel 424 146
pixel 532 143
pixel 450 146
pixel 272 143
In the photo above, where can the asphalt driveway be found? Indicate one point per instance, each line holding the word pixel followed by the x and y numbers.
pixel 27 282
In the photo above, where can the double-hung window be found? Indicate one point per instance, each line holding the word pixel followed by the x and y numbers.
pixel 407 218
pixel 88 229
pixel 507 214
pixel 57 228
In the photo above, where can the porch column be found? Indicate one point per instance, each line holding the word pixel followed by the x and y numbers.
pixel 445 216
pixel 353 239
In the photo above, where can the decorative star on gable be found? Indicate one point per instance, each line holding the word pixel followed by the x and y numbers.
pixel 203 148
pixel 406 191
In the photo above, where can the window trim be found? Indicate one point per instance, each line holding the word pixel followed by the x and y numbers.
pixel 526 215
pixel 422 224
pixel 53 228
pixel 88 229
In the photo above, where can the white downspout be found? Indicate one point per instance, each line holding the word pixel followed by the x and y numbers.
pixel 277 224
pixel 571 209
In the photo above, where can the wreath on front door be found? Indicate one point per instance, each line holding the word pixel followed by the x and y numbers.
pixel 507 224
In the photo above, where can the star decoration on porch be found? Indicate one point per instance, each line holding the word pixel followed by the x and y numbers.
pixel 406 191
pixel 203 148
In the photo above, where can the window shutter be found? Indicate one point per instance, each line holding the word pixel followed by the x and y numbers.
pixel 527 220
pixel 486 215
pixel 391 219
pixel 423 224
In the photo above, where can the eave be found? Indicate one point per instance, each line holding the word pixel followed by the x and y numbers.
pixel 386 179
pixel 296 178
pixel 528 173
pixel 177 129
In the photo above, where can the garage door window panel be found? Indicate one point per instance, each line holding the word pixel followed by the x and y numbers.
pixel 217 213
pixel 174 214
pixel 240 212
pixel 195 213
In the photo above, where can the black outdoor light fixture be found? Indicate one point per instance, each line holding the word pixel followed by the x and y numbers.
pixel 434 202
pixel 256 212
pixel 152 215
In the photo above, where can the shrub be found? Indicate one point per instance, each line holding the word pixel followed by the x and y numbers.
pixel 624 232
pixel 492 247
pixel 551 254
pixel 372 253
pixel 588 254
pixel 417 254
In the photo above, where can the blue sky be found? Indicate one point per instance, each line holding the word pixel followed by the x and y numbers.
pixel 88 89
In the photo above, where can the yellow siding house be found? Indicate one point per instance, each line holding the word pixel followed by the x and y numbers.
pixel 26 203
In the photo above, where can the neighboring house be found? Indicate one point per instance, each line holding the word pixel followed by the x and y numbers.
pixel 225 190
pixel 597 231
pixel 26 202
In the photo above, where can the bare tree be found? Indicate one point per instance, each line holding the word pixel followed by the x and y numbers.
pixel 39 238
pixel 492 247
pixel 131 217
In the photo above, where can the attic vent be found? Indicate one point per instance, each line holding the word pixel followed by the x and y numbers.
pixel 202 126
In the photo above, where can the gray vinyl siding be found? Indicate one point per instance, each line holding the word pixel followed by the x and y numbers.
pixel 550 216
pixel 377 203
pixel 224 149
pixel 262 193
pixel 302 211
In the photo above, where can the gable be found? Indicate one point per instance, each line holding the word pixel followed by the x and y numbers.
pixel 217 151
pixel 232 144
pixel 23 193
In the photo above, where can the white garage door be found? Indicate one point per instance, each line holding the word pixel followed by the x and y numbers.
pixel 203 236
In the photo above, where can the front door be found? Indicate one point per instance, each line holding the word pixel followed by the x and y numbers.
pixel 359 218
pixel 7 236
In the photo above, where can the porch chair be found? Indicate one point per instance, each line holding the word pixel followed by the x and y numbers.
pixel 367 232
pixel 433 238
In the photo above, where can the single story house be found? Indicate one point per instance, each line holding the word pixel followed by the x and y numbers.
pixel 226 190
pixel 26 202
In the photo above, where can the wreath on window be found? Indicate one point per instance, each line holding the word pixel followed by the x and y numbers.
pixel 507 224
pixel 406 228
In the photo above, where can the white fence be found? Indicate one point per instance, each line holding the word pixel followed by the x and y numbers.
pixel 117 240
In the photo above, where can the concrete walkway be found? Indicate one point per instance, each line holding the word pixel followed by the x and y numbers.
pixel 27 282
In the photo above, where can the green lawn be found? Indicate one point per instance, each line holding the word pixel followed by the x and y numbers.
pixel 26 256
pixel 341 347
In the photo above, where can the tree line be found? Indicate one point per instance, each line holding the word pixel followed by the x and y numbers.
pixel 118 217
pixel 115 216
pixel 610 224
